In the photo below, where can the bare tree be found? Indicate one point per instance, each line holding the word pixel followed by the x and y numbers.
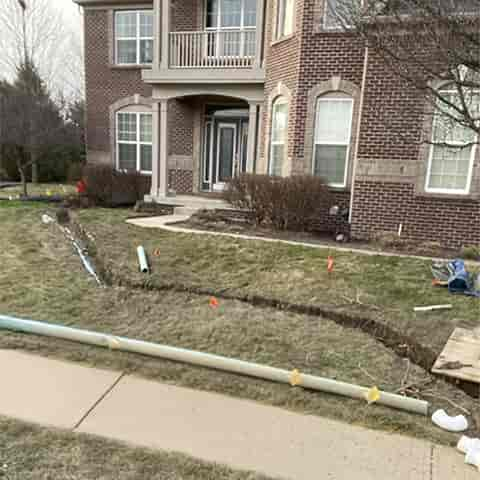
pixel 32 123
pixel 434 46
pixel 33 29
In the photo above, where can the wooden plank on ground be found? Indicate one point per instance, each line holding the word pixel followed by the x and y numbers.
pixel 460 357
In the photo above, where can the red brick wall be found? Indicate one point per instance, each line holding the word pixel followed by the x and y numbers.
pixel 181 127
pixel 391 133
pixel 392 115
pixel 184 15
pixel 324 55
pixel 104 85
pixel 282 65
pixel 383 206
pixel 180 180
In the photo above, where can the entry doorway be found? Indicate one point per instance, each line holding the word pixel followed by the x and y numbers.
pixel 224 146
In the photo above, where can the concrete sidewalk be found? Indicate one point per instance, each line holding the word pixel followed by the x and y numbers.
pixel 212 427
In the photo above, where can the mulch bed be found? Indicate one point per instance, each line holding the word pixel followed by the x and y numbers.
pixel 219 221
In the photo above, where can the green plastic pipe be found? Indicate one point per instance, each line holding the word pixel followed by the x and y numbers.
pixel 211 361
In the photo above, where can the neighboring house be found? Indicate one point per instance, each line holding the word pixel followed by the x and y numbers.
pixel 192 92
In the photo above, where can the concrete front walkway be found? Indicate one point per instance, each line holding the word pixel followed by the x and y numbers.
pixel 212 427
pixel 167 223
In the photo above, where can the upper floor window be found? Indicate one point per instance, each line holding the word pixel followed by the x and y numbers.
pixel 285 18
pixel 337 13
pixel 452 150
pixel 134 37
pixel 134 141
pixel 235 21
pixel 333 126
pixel 278 140
pixel 231 13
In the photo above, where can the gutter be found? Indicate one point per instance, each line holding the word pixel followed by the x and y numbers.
pixel 357 133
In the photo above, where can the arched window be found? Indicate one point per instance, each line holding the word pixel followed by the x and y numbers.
pixel 278 137
pixel 332 138
pixel 452 149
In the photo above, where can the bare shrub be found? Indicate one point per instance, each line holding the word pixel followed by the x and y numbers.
pixel 287 203
pixel 107 186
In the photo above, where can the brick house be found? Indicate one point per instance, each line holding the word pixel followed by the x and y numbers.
pixel 191 92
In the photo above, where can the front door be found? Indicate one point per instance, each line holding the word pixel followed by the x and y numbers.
pixel 226 136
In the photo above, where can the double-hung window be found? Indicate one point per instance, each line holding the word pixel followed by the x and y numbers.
pixel 285 18
pixel 333 126
pixel 452 149
pixel 278 139
pixel 134 141
pixel 134 37
pixel 232 27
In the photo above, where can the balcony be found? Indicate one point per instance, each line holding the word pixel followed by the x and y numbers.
pixel 233 48
pixel 219 43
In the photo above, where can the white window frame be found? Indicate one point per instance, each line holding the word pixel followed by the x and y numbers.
pixel 450 191
pixel 243 30
pixel 281 100
pixel 280 20
pixel 347 144
pixel 137 142
pixel 138 38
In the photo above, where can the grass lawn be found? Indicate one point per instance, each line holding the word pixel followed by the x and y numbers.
pixel 384 289
pixel 28 452
pixel 34 189
pixel 42 278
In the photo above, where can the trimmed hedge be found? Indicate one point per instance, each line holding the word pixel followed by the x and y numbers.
pixel 287 203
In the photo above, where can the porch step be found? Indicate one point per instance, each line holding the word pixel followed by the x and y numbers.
pixel 186 211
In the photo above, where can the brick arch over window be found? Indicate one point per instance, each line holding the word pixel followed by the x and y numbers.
pixel 132 103
pixel 281 90
pixel 335 85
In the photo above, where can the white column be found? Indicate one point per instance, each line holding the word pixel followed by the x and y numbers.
pixel 163 150
pixel 259 35
pixel 252 136
pixel 165 33
pixel 157 31
pixel 155 149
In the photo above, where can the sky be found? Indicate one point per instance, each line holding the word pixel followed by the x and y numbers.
pixel 55 42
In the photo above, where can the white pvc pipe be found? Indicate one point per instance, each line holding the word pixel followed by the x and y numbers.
pixel 142 260
pixel 211 361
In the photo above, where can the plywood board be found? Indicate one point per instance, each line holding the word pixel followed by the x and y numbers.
pixel 460 357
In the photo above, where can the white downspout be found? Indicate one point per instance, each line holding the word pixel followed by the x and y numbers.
pixel 212 361
pixel 357 133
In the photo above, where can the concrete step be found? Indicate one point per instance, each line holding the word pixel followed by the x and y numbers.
pixel 185 211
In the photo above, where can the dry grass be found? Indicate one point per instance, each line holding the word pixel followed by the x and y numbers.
pixel 41 278
pixel 38 189
pixel 382 288
pixel 29 452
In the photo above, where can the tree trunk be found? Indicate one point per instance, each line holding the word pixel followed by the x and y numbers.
pixel 33 157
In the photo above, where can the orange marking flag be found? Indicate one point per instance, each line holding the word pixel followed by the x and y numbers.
pixel 330 264
pixel 213 302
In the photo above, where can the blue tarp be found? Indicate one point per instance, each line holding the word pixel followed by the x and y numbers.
pixel 454 275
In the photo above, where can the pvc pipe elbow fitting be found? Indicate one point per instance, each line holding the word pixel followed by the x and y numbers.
pixel 451 424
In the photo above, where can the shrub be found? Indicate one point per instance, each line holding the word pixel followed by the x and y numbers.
pixel 287 203
pixel 108 187
pixel 387 239
pixel 470 252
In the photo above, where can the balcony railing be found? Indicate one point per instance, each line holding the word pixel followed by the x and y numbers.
pixel 232 48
